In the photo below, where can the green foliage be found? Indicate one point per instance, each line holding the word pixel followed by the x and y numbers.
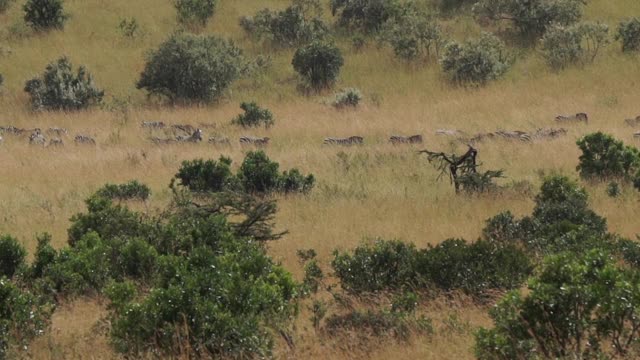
pixel 292 26
pixel 313 276
pixel 192 68
pixel 205 176
pixel 379 266
pixel 613 189
pixel 349 97
pixel 413 34
pixel 577 307
pixel 292 181
pixel 605 157
pixel 60 89
pixel 564 46
pixel 5 4
pixel 258 174
pixel 12 255
pixel 120 294
pixel 254 116
pixel 377 323
pixel 130 28
pixel 366 15
pixel 318 64
pixel 406 302
pixel 531 18
pixel 475 61
pixel 195 12
pixel 132 190
pixel 44 256
pixel 44 15
pixel 629 34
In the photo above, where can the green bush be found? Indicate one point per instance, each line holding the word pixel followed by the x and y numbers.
pixel 44 256
pixel 313 276
pixel 60 89
pixel 475 61
pixel 413 34
pixel 205 176
pixel 292 181
pixel 605 157
pixel 577 307
pixel 531 18
pixel 379 266
pixel 12 255
pixel 131 190
pixel 613 189
pixel 258 174
pixel 366 15
pixel 138 259
pixel 254 116
pixel 350 97
pixel 289 27
pixel 44 14
pixel 629 34
pixel 192 68
pixel 130 28
pixel 5 4
pixel 195 12
pixel 318 64
pixel 580 43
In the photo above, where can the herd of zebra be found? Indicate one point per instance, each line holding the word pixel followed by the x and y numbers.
pixel 191 134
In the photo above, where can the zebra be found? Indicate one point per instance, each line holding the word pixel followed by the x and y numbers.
pixel 13 130
pixel 633 122
pixel 577 117
pixel 351 140
pixel 56 142
pixel 250 140
pixel 550 133
pixel 36 138
pixel 450 132
pixel 84 139
pixel 413 139
pixel 516 135
pixel 57 131
pixel 153 124
pixel 188 129
pixel 219 140
pixel 194 138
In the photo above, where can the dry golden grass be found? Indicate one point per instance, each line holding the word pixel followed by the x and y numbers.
pixel 379 191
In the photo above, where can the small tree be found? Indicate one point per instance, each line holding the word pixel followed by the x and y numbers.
pixel 476 61
pixel 258 174
pixel 318 63
pixel 44 14
pixel 12 256
pixel 563 46
pixel 254 116
pixel 192 68
pixel 629 34
pixel 349 97
pixel 413 34
pixel 205 176
pixel 60 89
pixel 195 12
pixel 366 15
pixel 605 157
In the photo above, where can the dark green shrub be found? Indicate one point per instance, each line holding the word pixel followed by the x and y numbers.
pixel 44 14
pixel 59 88
pixel 379 266
pixel 350 97
pixel 318 64
pixel 580 43
pixel 195 12
pixel 120 294
pixel 292 181
pixel 366 15
pixel 289 27
pixel 531 18
pixel 613 189
pixel 192 68
pixel 413 34
pixel 312 277
pixel 605 157
pixel 12 255
pixel 132 190
pixel 258 174
pixel 44 256
pixel 501 229
pixel 254 116
pixel 205 176
pixel 476 61
pixel 629 34
pixel 474 268
pixel 406 302
pixel 577 307
pixel 138 259
pixel 629 251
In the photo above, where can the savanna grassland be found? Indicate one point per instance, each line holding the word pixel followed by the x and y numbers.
pixel 377 190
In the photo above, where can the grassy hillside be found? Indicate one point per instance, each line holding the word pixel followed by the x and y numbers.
pixel 390 192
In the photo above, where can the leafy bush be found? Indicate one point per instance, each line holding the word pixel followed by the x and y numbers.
pixel 605 157
pixel 60 89
pixel 192 68
pixel 312 276
pixel 350 97
pixel 44 256
pixel 205 176
pixel 629 34
pixel 12 255
pixel 293 181
pixel 475 61
pixel 613 189
pixel 195 12
pixel 130 28
pixel 128 191
pixel 531 18
pixel 318 63
pixel 380 266
pixel 258 174
pixel 474 268
pixel 577 307
pixel 413 34
pixel 44 14
pixel 564 46
pixel 289 27
pixel 366 15
pixel 254 116
pixel 4 5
